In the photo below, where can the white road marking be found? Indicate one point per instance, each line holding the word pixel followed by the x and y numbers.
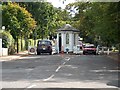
pixel 67 58
pixel 57 69
pixel 31 86
pixel 49 78
pixel 64 63
pixel 105 70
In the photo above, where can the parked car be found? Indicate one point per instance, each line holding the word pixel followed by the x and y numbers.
pixel 89 49
pixel 44 46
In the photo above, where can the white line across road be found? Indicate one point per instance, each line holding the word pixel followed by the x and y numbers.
pixel 105 71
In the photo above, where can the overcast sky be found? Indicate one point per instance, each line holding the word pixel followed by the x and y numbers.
pixel 59 3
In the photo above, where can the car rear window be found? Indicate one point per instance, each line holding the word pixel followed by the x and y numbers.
pixel 44 42
pixel 89 46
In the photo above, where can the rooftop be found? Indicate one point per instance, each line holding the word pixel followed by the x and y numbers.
pixel 68 27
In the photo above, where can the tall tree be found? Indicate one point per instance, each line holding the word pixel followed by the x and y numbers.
pixel 43 13
pixel 17 20
pixel 48 18
pixel 98 21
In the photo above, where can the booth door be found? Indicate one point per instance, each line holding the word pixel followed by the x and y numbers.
pixel 60 42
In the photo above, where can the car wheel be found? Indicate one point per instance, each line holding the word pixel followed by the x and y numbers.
pixel 95 53
pixel 50 53
pixel 83 53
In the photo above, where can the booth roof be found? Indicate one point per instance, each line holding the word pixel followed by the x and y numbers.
pixel 68 27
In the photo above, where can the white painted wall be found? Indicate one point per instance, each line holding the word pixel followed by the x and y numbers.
pixel 76 39
pixel 4 51
pixel 64 41
pixel 71 41
pixel 57 42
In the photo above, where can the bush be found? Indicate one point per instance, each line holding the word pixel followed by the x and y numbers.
pixel 11 50
pixel 8 42
pixel 7 39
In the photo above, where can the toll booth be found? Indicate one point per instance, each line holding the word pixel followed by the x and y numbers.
pixel 67 38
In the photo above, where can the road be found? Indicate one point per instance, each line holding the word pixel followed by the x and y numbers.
pixel 61 71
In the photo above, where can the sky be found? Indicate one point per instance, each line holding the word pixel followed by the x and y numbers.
pixel 59 3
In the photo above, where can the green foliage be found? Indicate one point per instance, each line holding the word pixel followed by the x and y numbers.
pixel 43 14
pixel 11 50
pixel 97 21
pixel 17 20
pixel 48 17
pixel 7 39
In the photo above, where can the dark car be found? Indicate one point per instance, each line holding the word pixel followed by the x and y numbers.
pixel 89 49
pixel 44 46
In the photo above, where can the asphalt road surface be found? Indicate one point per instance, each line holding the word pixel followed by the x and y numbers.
pixel 61 72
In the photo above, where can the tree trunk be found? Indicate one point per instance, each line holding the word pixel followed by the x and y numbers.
pixel 21 43
pixel 17 46
pixel 119 48
pixel 26 43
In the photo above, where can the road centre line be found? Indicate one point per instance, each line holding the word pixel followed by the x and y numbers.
pixel 31 86
pixel 49 78
pixel 64 63
pixel 57 69
pixel 67 58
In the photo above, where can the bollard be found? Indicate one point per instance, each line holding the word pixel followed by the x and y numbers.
pixel 62 50
pixel 67 50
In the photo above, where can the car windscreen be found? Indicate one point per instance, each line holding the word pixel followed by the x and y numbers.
pixel 44 42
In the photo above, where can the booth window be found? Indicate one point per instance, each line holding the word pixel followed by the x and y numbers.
pixel 67 38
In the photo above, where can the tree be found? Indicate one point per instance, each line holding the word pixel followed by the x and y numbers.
pixel 48 18
pixel 43 13
pixel 17 20
pixel 98 20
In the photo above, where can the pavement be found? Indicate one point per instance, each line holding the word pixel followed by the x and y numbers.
pixel 15 56
pixel 114 56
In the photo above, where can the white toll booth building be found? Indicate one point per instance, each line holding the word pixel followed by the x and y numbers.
pixel 67 38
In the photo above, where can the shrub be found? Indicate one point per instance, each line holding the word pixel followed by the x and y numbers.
pixel 7 39
pixel 11 50
pixel 8 42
